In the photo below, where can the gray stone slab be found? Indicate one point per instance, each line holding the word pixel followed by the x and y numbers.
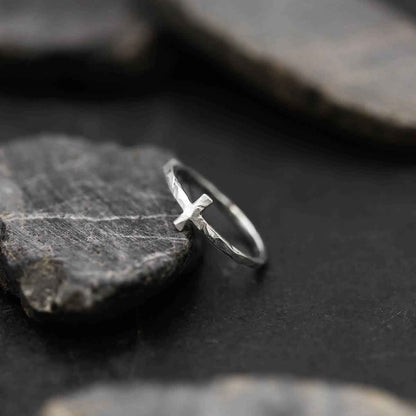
pixel 350 63
pixel 107 29
pixel 239 396
pixel 86 229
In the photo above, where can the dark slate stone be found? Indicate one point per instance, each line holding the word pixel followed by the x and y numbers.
pixel 351 64
pixel 233 396
pixel 106 31
pixel 85 228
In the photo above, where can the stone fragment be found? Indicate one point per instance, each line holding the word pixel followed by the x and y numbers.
pixel 238 396
pixel 105 30
pixel 86 229
pixel 351 64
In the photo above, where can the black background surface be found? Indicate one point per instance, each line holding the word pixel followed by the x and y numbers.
pixel 338 218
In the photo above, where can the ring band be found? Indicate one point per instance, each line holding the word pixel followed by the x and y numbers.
pixel 192 212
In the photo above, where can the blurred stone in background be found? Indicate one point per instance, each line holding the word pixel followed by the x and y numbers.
pixel 233 396
pixel 110 27
pixel 78 38
pixel 351 63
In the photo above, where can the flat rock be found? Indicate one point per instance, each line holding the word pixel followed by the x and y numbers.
pixel 351 63
pixel 239 396
pixel 86 228
pixel 111 30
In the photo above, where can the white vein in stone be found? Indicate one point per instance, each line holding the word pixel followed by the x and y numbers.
pixel 73 217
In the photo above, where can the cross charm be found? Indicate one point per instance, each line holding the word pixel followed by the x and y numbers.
pixel 192 211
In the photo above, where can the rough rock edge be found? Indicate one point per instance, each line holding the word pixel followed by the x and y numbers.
pixel 278 82
pixel 96 307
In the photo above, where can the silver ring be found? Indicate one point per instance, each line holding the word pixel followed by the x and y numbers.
pixel 192 212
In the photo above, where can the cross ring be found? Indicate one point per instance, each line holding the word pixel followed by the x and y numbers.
pixel 192 211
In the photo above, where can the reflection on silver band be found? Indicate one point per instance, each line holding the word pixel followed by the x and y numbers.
pixel 192 212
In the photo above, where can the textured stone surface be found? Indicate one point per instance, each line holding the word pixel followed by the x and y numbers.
pixel 239 396
pixel 349 63
pixel 85 228
pixel 106 29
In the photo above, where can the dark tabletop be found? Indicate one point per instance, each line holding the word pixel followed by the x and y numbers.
pixel 338 218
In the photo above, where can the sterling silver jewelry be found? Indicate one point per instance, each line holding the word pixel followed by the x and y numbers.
pixel 175 170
